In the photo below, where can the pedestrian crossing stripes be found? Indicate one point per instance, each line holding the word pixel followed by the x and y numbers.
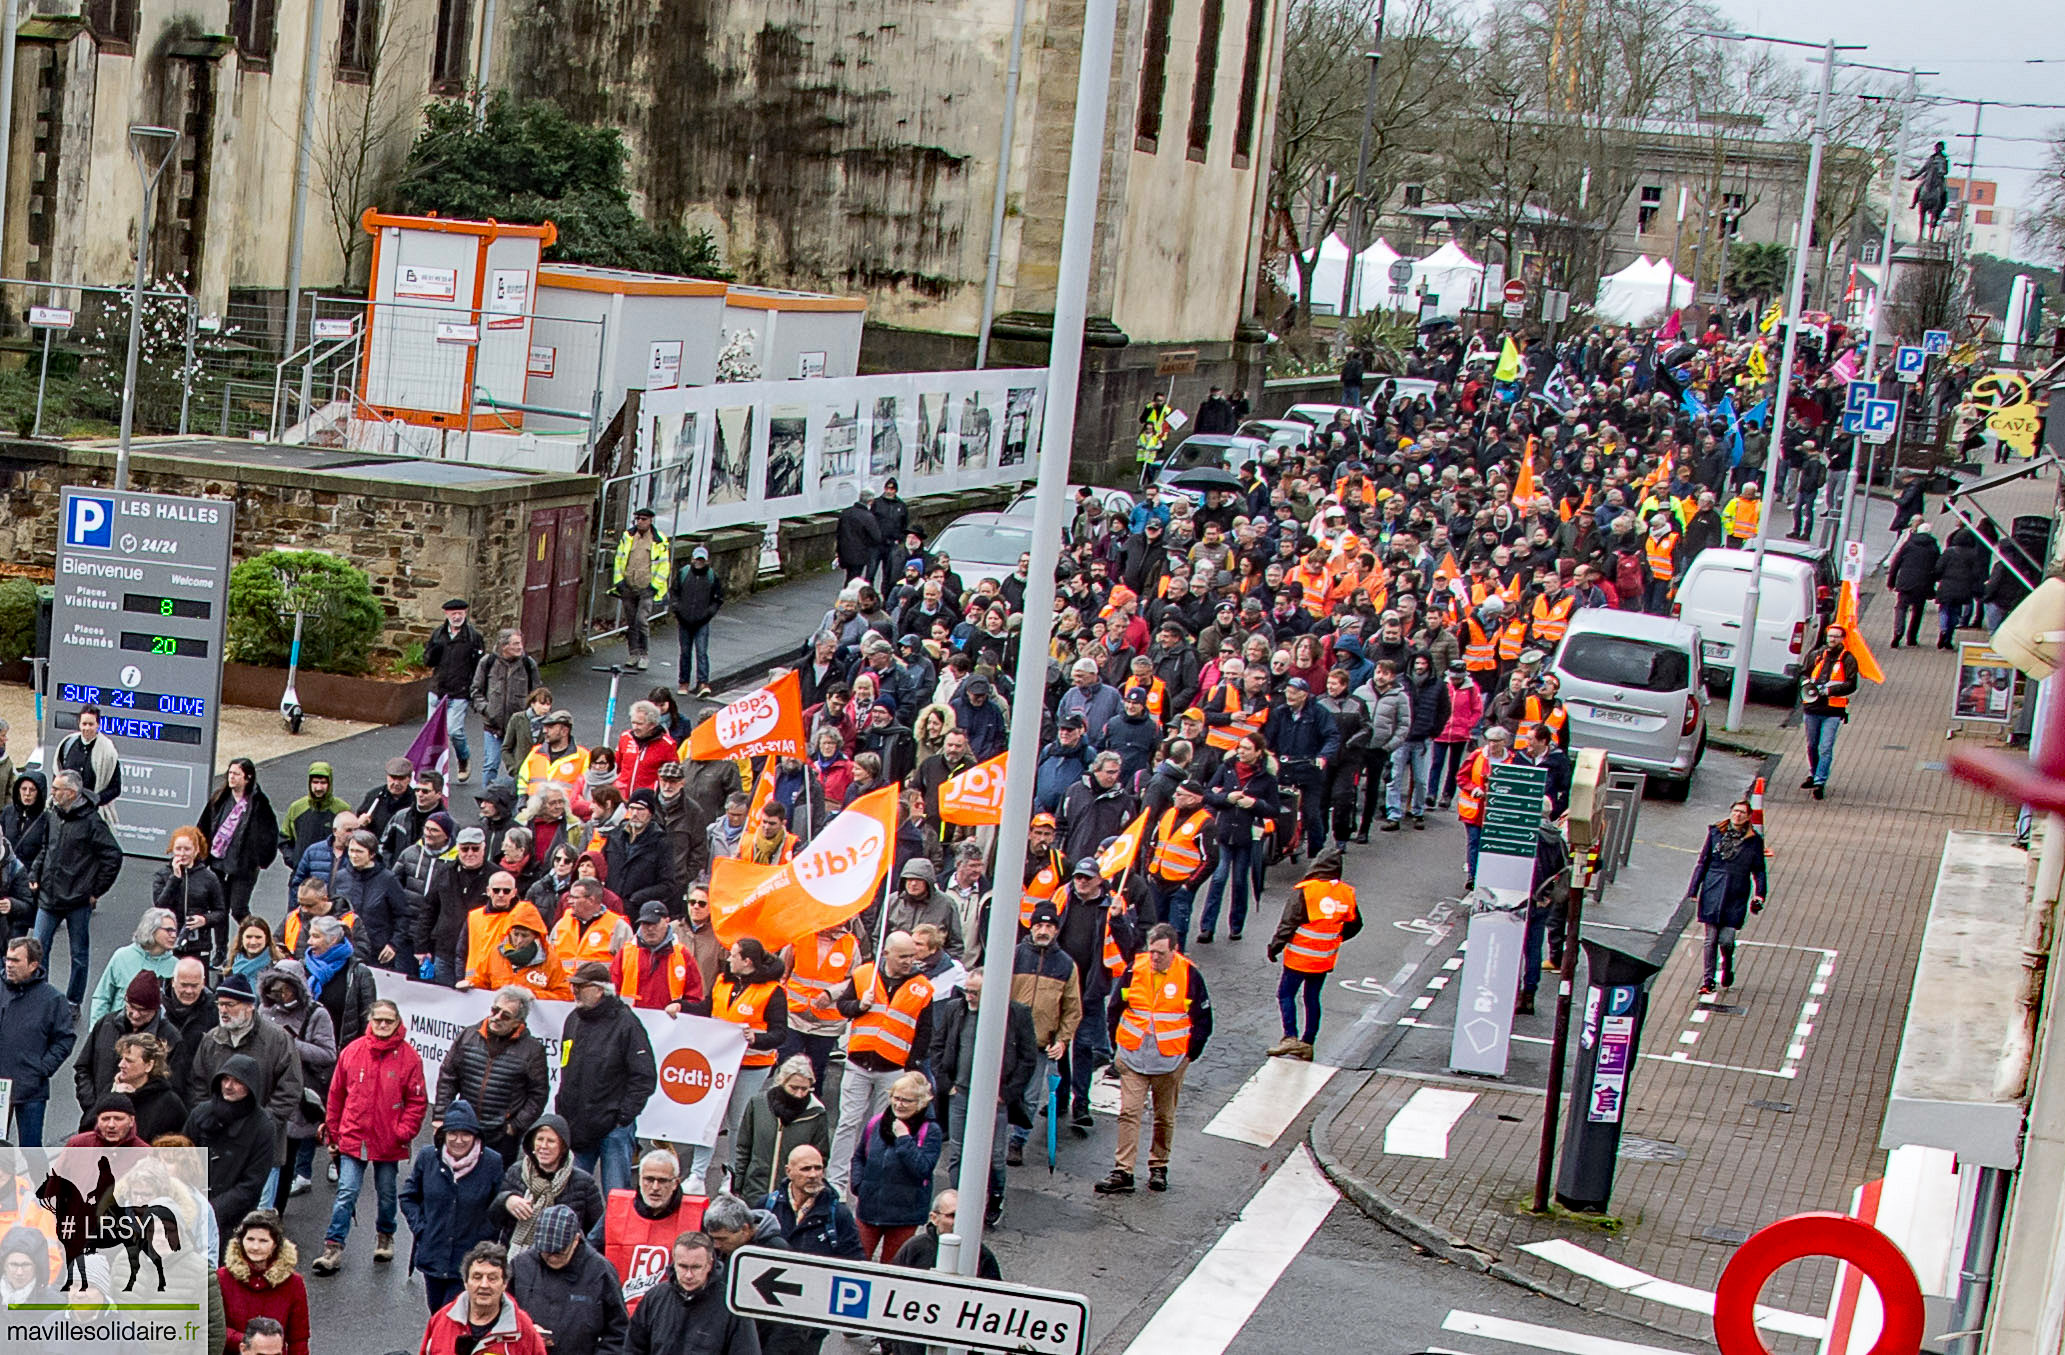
pixel 1270 1101
pixel 1221 1293
pixel 1543 1338
pixel 1599 1269
pixel 1422 1124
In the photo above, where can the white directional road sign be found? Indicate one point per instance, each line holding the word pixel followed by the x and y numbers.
pixel 1908 362
pixel 924 1306
pixel 1879 419
pixel 1935 342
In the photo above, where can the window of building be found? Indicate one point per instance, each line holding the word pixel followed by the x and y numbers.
pixel 114 24
pixel 1732 205
pixel 1154 76
pixel 1652 203
pixel 358 24
pixel 1868 253
pixel 1985 217
pixel 254 24
pixel 1210 20
pixel 1415 195
pixel 450 45
pixel 1250 83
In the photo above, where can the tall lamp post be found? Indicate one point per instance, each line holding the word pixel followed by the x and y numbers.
pixel 1359 210
pixel 153 149
pixel 1746 635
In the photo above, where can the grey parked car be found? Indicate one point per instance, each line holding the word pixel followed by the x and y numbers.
pixel 1633 687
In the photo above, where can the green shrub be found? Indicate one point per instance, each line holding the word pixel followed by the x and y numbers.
pixel 17 619
pixel 341 618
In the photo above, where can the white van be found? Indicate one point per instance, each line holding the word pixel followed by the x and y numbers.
pixel 1710 596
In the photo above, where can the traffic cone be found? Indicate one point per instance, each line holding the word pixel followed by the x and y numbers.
pixel 1757 813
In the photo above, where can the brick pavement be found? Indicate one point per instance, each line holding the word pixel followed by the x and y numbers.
pixel 1769 1124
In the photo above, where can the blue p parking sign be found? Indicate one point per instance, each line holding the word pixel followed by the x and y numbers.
pixel 850 1296
pixel 91 523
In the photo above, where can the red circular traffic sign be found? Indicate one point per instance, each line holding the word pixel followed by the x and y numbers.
pixel 1817 1234
pixel 1516 290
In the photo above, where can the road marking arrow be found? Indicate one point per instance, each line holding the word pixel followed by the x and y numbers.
pixel 770 1287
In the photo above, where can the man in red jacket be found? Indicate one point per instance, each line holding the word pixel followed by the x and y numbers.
pixel 378 1099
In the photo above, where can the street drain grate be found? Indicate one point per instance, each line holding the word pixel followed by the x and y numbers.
pixel 1782 1107
pixel 1929 766
pixel 1727 1234
pixel 1635 1149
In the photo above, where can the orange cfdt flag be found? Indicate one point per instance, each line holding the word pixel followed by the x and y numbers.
pixel 1523 483
pixel 830 879
pixel 976 796
pixel 1853 634
pixel 1114 859
pixel 769 720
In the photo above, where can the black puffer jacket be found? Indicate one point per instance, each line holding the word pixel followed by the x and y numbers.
pixel 607 1075
pixel 1914 564
pixel 1961 574
pixel 503 1080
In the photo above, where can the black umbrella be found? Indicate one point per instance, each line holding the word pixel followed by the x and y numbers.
pixel 1202 478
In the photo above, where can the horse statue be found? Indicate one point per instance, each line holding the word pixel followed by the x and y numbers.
pixel 1931 192
pixel 84 1226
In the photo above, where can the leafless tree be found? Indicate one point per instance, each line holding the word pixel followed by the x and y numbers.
pixel 2044 226
pixel 358 150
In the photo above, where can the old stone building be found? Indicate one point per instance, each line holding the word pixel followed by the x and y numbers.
pixel 848 147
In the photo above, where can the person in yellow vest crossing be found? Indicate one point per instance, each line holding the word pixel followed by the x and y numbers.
pixel 748 993
pixel 1160 1020
pixel 658 973
pixel 890 1006
pixel 1661 547
pixel 1739 518
pixel 1319 915
pixel 1181 855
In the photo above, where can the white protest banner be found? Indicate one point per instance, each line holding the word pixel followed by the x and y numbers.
pixel 698 1058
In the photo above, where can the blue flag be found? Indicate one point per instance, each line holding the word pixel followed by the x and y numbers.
pixel 1726 409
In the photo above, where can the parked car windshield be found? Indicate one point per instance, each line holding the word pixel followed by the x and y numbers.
pixel 1620 662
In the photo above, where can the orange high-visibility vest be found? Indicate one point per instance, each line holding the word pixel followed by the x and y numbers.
pixel 816 971
pixel 890 1025
pixel 1227 737
pixel 1313 585
pixel 1314 947
pixel 632 957
pixel 1512 638
pixel 1480 654
pixel 1557 717
pixel 1049 877
pixel 1829 673
pixel 746 1007
pixel 1157 1007
pixel 290 930
pixel 1659 553
pixel 1551 620
pixel 575 943
pixel 1157 697
pixel 1470 784
pixel 1177 851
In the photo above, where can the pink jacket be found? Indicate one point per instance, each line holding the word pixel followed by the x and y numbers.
pixel 1465 709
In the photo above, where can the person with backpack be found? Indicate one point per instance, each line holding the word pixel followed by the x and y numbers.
pixel 503 681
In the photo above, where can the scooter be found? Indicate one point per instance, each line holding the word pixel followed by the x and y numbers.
pixel 609 715
pixel 290 700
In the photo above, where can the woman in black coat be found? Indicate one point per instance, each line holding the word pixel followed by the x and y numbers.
pixel 1960 579
pixel 193 893
pixel 1729 883
pixel 1911 572
pixel 238 853
pixel 1243 798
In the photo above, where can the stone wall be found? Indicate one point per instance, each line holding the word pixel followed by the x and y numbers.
pixel 419 543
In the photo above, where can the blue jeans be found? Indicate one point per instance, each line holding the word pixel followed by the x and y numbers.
pixel 614 1157
pixel 269 1198
pixel 78 926
pixel 1351 393
pixel 1175 905
pixel 1036 1095
pixel 455 723
pixel 1287 992
pixel 1235 863
pixel 1092 1047
pixel 695 644
pixel 351 1177
pixel 491 758
pixel 1949 616
pixel 1414 760
pixel 28 1123
pixel 1821 744
pixel 1473 833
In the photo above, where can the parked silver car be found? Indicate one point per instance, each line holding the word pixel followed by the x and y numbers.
pixel 1633 688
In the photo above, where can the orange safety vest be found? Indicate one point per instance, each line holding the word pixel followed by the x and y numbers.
pixel 890 1025
pixel 745 1007
pixel 1157 1006
pixel 1551 620
pixel 1556 719
pixel 1050 877
pixel 1830 673
pixel 1512 639
pixel 1329 906
pixel 1470 784
pixel 1480 654
pixel 290 930
pixel 641 1250
pixel 1659 553
pixel 485 929
pixel 631 958
pixel 1228 736
pixel 1177 851
pixel 816 971
pixel 576 942
pixel 545 979
pixel 1157 696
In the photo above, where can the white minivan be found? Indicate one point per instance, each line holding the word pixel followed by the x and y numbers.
pixel 1710 596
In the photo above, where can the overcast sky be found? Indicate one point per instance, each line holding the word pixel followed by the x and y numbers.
pixel 1981 49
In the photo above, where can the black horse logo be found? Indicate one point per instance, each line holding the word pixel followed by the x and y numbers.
pixel 103 1224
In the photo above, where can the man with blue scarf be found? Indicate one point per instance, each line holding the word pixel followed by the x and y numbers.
pixel 338 979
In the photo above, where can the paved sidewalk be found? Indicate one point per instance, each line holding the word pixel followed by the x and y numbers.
pixel 1761 1106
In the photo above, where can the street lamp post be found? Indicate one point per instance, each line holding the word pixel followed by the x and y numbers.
pixel 1064 377
pixel 1881 296
pixel 1359 209
pixel 144 143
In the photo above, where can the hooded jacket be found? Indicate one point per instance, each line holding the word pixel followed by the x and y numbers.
pixel 272 1049
pixel 314 1034
pixel 607 1072
pixel 23 825
pixel 448 1213
pixel 239 1138
pixel 512 1333
pixel 536 969
pixel 579 1191
pixel 309 818
pixel 773 1125
pixel 378 1098
pixel 501 688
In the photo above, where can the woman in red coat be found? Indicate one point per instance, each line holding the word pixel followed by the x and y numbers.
pixel 258 1280
pixel 377 1103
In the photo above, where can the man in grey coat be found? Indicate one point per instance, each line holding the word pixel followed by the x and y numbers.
pixel 1390 720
